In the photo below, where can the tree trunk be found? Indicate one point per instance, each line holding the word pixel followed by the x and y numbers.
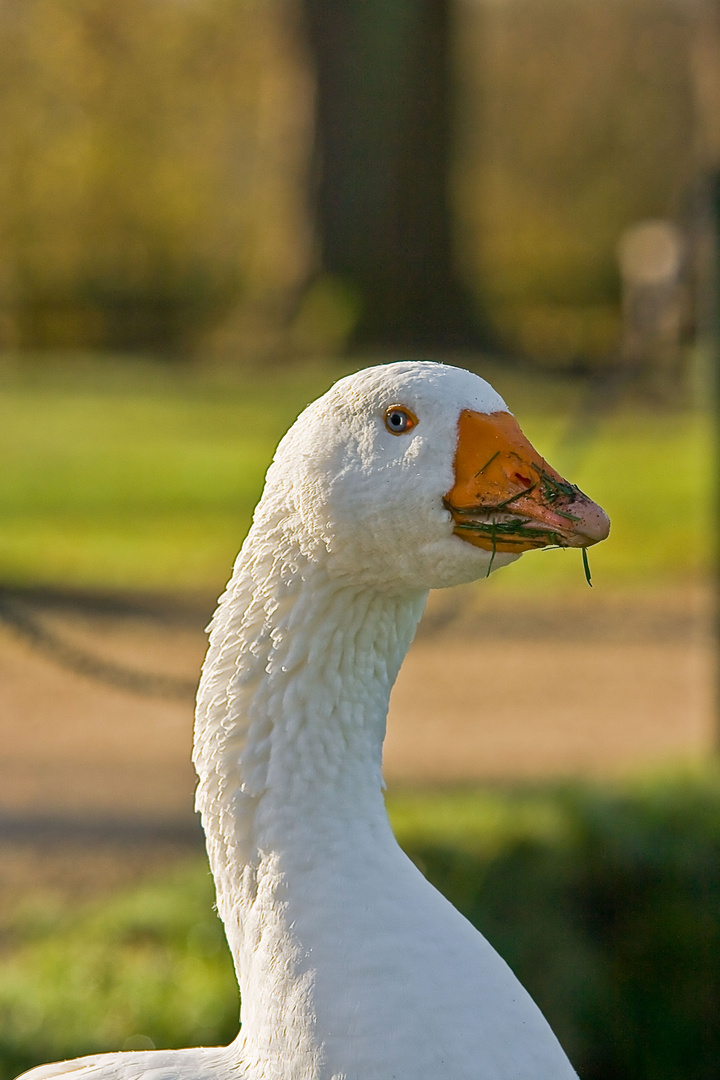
pixel 383 134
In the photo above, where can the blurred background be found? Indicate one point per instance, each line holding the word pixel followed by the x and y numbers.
pixel 209 211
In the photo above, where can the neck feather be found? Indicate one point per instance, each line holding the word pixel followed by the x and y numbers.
pixel 291 712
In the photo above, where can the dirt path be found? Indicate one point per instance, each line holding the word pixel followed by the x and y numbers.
pixel 508 689
pixel 96 784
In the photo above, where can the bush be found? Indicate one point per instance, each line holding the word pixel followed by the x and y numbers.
pixel 612 922
pixel 605 902
pixel 150 968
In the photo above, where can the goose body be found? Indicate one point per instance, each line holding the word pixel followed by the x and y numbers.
pixel 351 965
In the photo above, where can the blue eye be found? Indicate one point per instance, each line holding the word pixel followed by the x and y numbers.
pixel 399 419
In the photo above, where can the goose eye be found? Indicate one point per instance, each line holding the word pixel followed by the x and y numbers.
pixel 398 420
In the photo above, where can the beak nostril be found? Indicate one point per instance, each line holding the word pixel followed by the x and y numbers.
pixel 524 480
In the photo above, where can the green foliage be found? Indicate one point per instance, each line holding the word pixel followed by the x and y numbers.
pixel 155 166
pixel 148 181
pixel 578 121
pixel 149 968
pixel 605 902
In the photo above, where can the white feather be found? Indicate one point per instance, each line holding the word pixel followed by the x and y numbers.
pixel 350 964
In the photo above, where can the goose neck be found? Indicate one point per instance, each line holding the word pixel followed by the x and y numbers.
pixel 292 707
pixel 335 656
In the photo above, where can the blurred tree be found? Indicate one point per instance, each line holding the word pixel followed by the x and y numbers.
pixel 576 119
pixel 383 159
pixel 151 170
pixel 705 199
pixel 474 165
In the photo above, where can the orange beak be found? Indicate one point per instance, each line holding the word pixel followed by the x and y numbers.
pixel 507 498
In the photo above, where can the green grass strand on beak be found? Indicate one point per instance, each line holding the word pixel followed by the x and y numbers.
pixel 586 567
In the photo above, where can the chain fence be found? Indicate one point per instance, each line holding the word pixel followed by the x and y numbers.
pixel 17 615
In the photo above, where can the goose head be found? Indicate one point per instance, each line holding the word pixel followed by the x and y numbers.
pixel 416 475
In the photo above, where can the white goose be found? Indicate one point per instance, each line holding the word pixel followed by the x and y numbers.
pixel 402 478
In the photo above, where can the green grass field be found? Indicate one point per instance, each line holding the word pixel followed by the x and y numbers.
pixel 132 474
